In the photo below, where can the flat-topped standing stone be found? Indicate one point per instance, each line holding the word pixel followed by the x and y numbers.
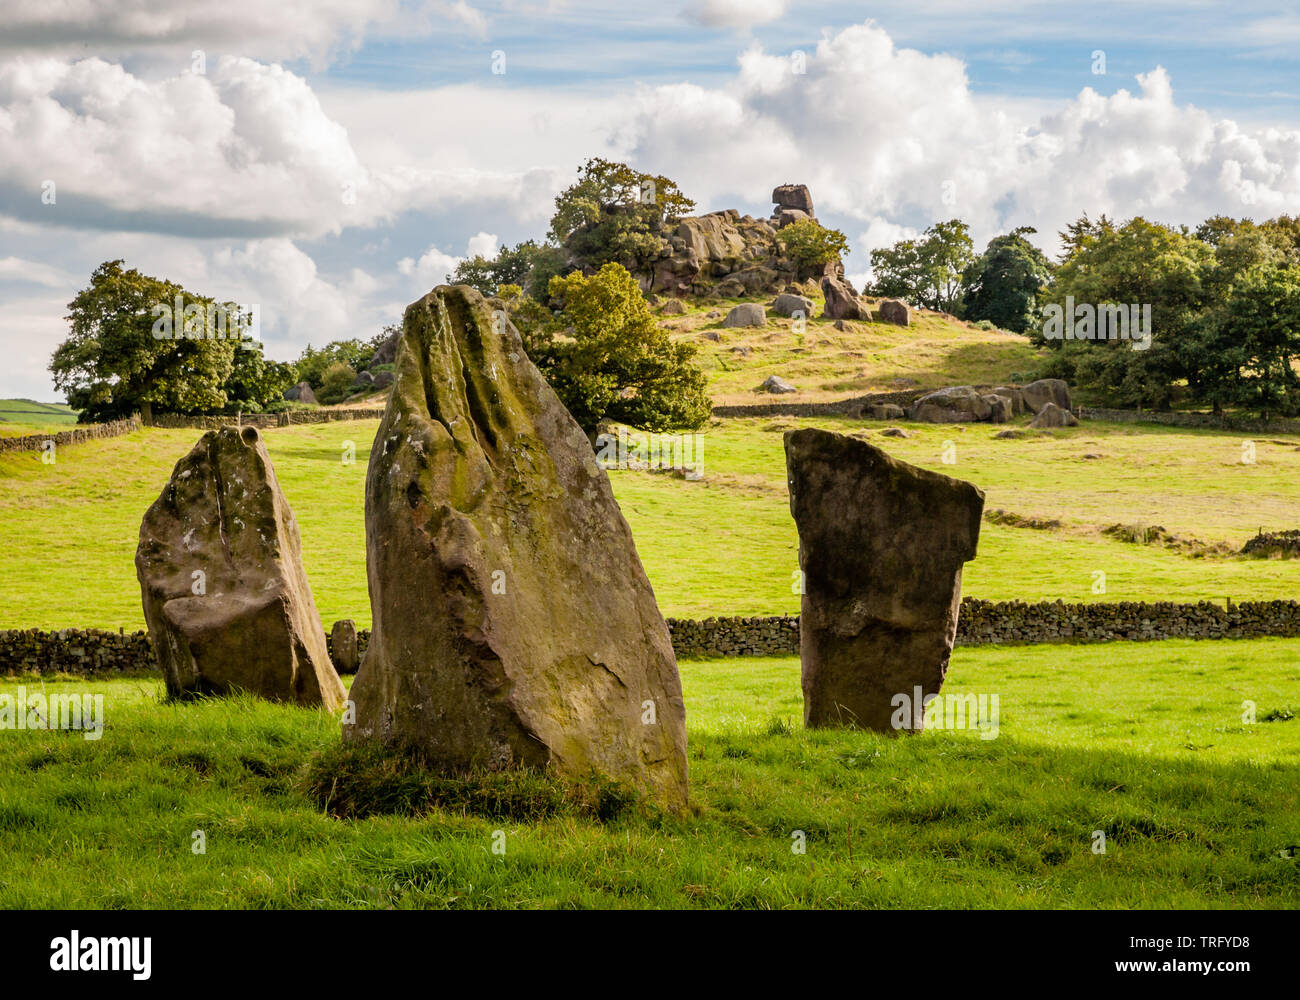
pixel 225 596
pixel 513 623
pixel 881 545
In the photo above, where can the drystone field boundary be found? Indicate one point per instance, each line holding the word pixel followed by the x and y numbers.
pixel 93 651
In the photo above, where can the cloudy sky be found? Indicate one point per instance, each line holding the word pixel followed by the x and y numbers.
pixel 330 160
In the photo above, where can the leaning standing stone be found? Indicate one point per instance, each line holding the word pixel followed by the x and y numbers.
pixel 225 594
pixel 513 623
pixel 881 544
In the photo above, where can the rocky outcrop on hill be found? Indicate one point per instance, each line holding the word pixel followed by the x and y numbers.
pixel 727 254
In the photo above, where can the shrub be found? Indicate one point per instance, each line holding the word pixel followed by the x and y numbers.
pixel 336 384
pixel 811 245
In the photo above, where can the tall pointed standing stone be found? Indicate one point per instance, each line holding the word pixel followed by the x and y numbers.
pixel 513 623
pixel 225 595
pixel 881 545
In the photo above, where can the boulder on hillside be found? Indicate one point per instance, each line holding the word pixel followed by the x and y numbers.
pixel 895 311
pixel 363 381
pixel 883 411
pixel 775 383
pixel 1046 390
pixel 896 432
pixel 746 314
pixel 729 288
pixel 514 626
pixel 387 351
pixel 955 404
pixel 1000 408
pixel 882 545
pixel 1052 415
pixel 841 301
pixel 225 595
pixel 383 379
pixel 1014 396
pixel 300 393
pixel 787 304
pixel 793 196
pixel 674 307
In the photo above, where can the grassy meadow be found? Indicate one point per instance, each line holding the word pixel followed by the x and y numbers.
pixel 1149 743
pixel 1197 808
pixel 825 363
pixel 24 416
pixel 724 545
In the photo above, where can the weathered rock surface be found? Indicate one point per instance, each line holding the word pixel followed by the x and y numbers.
pixel 746 314
pixel 513 623
pixel 220 568
pixel 895 311
pixel 775 383
pixel 793 196
pixel 881 544
pixel 1052 415
pixel 723 253
pixel 1046 390
pixel 952 405
pixel 343 646
pixel 883 411
pixel 999 408
pixel 841 302
pixel 300 393
pixel 788 216
pixel 1014 395
pixel 787 304
pixel 674 307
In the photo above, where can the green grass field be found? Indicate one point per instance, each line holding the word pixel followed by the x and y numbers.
pixel 726 545
pixel 825 363
pixel 1144 742
pixel 24 416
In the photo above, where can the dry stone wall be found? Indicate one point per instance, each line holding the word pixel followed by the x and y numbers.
pixel 79 651
pixel 78 435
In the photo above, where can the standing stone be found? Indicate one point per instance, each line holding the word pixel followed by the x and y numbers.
pixel 513 623
pixel 881 544
pixel 225 596
pixel 343 646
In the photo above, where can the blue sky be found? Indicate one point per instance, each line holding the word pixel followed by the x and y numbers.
pixel 331 161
